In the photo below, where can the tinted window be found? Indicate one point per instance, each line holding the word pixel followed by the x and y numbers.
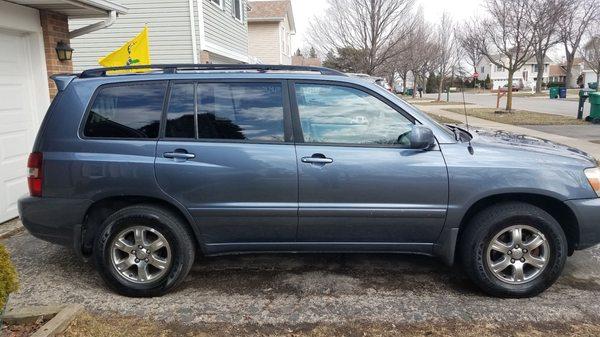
pixel 181 111
pixel 250 111
pixel 126 111
pixel 337 114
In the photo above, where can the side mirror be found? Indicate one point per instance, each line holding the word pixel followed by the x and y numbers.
pixel 421 138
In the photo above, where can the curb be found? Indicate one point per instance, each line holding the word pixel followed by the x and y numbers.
pixel 10 228
pixel 11 232
pixel 63 316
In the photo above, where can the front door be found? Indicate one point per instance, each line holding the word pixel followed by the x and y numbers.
pixel 226 156
pixel 358 181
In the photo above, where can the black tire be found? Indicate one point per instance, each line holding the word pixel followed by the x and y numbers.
pixel 164 221
pixel 491 221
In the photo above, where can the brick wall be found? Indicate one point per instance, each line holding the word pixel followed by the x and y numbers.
pixel 55 28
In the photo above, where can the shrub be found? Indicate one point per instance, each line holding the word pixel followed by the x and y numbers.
pixel 8 277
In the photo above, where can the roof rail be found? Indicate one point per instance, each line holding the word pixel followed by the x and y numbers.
pixel 174 68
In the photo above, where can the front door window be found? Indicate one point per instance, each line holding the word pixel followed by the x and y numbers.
pixel 344 115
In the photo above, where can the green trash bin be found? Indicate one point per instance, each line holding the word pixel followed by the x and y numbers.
pixel 595 105
pixel 409 92
pixel 554 92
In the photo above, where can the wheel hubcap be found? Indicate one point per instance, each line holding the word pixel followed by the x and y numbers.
pixel 140 254
pixel 518 254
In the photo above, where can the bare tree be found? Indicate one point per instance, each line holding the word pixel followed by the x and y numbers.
pixel 469 44
pixel 578 16
pixel 544 18
pixel 447 50
pixel 591 53
pixel 376 26
pixel 506 37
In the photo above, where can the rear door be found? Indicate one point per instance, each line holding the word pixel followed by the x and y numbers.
pixel 226 154
pixel 358 181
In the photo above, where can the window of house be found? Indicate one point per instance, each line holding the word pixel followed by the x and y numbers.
pixel 126 111
pixel 217 2
pixel 339 114
pixel 482 70
pixel 248 111
pixel 535 68
pixel 499 68
pixel 237 9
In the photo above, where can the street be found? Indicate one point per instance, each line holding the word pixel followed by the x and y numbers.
pixel 292 290
pixel 537 104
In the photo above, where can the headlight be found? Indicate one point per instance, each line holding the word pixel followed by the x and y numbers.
pixel 593 176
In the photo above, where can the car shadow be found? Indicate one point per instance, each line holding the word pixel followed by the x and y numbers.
pixel 326 274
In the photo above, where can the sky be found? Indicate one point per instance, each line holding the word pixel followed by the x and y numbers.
pixel 304 10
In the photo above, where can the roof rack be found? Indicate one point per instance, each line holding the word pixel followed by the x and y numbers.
pixel 174 68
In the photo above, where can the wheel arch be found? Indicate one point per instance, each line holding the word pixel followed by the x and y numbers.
pixel 102 208
pixel 555 207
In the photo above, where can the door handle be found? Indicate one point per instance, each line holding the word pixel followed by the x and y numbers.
pixel 317 158
pixel 179 155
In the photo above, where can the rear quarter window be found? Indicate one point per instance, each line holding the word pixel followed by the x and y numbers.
pixel 131 110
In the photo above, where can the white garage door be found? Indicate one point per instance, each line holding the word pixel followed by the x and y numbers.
pixel 17 119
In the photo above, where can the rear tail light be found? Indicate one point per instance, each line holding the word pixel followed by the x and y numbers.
pixel 34 179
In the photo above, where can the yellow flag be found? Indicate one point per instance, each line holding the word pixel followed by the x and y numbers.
pixel 133 53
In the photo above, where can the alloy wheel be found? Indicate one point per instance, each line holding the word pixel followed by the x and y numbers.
pixel 140 254
pixel 518 254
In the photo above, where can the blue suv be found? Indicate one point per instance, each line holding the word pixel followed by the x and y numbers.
pixel 141 172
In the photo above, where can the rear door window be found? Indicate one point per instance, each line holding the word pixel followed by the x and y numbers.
pixel 126 111
pixel 249 111
pixel 228 111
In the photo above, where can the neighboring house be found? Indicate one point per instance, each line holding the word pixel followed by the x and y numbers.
pixel 30 31
pixel 180 31
pixel 522 77
pixel 589 76
pixel 558 71
pixel 270 29
pixel 557 74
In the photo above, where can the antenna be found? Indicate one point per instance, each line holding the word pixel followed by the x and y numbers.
pixel 470 147
pixel 465 106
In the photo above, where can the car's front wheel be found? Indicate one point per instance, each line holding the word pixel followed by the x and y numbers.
pixel 513 250
pixel 144 251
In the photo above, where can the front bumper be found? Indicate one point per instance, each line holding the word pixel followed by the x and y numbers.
pixel 55 220
pixel 587 212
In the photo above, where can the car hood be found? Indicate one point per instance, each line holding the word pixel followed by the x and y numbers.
pixel 528 143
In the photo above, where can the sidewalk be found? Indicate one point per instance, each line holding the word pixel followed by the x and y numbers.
pixel 589 147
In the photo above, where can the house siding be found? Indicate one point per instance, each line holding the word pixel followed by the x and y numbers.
pixel 286 54
pixel 169 32
pixel 223 30
pixel 263 38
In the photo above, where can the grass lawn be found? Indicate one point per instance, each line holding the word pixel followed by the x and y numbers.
pixel 442 119
pixel 116 326
pixel 520 117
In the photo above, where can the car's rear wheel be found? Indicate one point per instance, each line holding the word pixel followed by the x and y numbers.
pixel 144 251
pixel 513 250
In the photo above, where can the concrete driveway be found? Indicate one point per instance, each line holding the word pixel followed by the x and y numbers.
pixel 292 290
pixel 537 104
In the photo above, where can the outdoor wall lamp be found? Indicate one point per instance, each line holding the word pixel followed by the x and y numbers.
pixel 64 51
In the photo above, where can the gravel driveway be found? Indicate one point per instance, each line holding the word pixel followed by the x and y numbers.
pixel 307 288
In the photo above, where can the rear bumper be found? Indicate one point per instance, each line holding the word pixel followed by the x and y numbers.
pixel 55 220
pixel 587 212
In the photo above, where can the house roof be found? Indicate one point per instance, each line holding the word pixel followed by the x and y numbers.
pixel 75 8
pixel 274 10
pixel 556 70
